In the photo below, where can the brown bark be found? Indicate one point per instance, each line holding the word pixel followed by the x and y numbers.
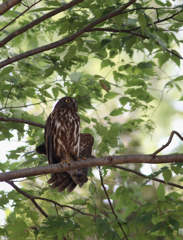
pixel 91 162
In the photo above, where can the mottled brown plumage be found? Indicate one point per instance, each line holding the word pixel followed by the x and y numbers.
pixel 62 142
pixel 63 180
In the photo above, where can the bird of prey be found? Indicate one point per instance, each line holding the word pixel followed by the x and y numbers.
pixel 64 142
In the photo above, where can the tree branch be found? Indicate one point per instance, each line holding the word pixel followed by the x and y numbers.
pixel 4 7
pixel 110 204
pixel 32 198
pixel 3 119
pixel 90 162
pixel 67 39
pixel 20 15
pixel 38 20
pixel 168 142
pixel 148 177
pixel 133 33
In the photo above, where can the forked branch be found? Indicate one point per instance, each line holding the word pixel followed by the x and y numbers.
pixel 33 198
pixel 169 141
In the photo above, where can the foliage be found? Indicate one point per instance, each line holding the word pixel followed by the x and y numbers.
pixel 113 69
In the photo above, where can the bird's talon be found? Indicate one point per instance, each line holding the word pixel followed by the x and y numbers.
pixel 68 162
pixel 82 158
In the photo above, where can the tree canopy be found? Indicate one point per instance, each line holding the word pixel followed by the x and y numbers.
pixel 121 61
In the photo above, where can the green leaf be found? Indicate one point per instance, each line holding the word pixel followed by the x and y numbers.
pixel 33 215
pixel 102 227
pixel 106 63
pixel 174 223
pixel 79 202
pixel 159 3
pixel 111 95
pixel 160 191
pixel 75 76
pixel 167 175
pixel 6 70
pixel 49 71
pixel 117 111
pixel 145 65
pixel 84 118
pixel 157 227
pixel 142 21
pixel 124 100
pixel 163 58
pixel 176 60
pixel 55 92
pixel 63 229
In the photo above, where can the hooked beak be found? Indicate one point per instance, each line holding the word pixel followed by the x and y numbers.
pixel 74 104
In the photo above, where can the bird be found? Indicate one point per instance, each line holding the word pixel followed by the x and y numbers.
pixel 64 142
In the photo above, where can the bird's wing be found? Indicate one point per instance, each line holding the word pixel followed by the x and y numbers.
pixel 59 180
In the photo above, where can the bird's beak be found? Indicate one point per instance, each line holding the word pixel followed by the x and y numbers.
pixel 74 104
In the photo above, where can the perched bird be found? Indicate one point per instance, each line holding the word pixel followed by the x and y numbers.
pixel 63 142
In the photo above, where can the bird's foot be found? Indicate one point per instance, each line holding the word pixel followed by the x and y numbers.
pixel 81 158
pixel 68 162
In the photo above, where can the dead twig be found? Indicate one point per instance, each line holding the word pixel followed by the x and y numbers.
pixel 169 141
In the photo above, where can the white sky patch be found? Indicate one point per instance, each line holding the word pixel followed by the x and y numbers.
pixel 179 106
pixel 106 201
pixel 146 169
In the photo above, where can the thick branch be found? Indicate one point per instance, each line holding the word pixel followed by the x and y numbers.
pixel 38 20
pixel 90 162
pixel 3 119
pixel 67 39
pixel 4 7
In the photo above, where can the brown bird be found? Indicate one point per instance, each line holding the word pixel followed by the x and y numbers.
pixel 63 142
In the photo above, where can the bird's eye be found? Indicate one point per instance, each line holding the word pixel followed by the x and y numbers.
pixel 68 100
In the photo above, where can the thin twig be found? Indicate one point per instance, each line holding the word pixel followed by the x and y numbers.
pixel 32 198
pixel 3 119
pixel 168 142
pixel 148 177
pixel 133 33
pixel 105 190
pixel 20 14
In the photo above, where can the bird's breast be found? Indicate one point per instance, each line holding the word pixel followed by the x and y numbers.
pixel 66 132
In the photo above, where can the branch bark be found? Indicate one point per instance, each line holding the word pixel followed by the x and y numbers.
pixel 4 7
pixel 148 177
pixel 67 39
pixel 38 20
pixel 32 198
pixel 19 16
pixel 90 162
pixel 3 119
pixel 133 33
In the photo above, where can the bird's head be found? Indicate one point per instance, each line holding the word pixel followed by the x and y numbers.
pixel 67 102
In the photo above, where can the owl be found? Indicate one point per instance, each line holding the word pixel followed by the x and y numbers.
pixel 63 142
